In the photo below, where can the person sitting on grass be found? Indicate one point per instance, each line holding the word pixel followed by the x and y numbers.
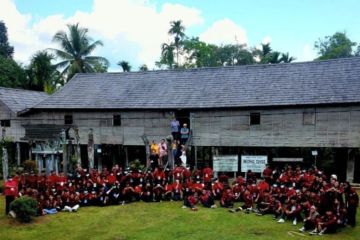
pixel 71 203
pixel 310 220
pixel 326 224
pixel 227 199
pixel 190 201
pixel 206 199
pixel 292 211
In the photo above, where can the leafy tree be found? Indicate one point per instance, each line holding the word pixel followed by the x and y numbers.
pixel 126 67
pixel 234 54
pixel 75 49
pixel 199 54
pixel 167 56
pixel 100 67
pixel 12 75
pixel 143 68
pixel 5 49
pixel 177 29
pixel 42 74
pixel 335 46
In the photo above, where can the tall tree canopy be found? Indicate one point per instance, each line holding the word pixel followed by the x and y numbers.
pixel 5 49
pixel 335 46
pixel 195 53
pixel 177 30
pixel 75 51
pixel 42 74
pixel 12 75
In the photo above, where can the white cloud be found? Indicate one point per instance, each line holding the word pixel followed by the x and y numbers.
pixel 266 40
pixel 130 29
pixel 224 31
pixel 308 54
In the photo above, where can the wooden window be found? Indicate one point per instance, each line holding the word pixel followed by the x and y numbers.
pixel 117 120
pixel 254 118
pixel 5 123
pixel 68 119
pixel 309 118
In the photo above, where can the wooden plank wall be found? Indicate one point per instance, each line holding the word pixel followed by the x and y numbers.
pixel 333 127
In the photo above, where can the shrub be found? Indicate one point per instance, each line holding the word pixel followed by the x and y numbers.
pixel 25 208
pixel 29 166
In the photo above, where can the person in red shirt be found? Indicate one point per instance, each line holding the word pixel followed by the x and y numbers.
pixel 208 175
pixel 190 201
pixel 326 224
pixel 177 190
pixel 267 174
pixel 227 199
pixel 206 199
pixel 11 192
pixel 292 211
pixel 351 203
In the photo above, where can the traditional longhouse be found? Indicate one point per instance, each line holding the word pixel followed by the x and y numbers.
pixel 283 111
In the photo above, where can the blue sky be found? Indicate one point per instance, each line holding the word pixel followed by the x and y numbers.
pixel 134 29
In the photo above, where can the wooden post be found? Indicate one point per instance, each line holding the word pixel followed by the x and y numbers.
pixel 196 160
pixel 18 154
pixel 5 163
pixel 56 164
pixel 47 166
pixel 90 149
pixel 39 163
pixel 78 150
pixel 350 167
pixel 126 157
pixel 65 158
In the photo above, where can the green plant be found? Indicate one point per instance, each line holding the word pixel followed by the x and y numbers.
pixel 29 166
pixel 136 164
pixel 25 208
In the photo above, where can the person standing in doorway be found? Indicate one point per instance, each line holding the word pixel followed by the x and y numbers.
pixel 175 126
pixel 184 132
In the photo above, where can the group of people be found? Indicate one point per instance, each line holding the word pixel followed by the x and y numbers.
pixel 322 203
pixel 159 151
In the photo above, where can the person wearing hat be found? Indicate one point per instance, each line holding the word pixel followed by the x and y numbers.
pixel 11 192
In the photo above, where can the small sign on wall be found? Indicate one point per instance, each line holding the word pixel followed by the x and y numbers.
pixel 254 163
pixel 227 163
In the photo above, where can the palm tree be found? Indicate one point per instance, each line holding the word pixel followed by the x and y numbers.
pixel 286 58
pixel 42 74
pixel 177 29
pixel 75 49
pixel 126 67
pixel 143 68
pixel 167 55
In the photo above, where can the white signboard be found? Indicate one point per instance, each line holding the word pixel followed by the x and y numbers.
pixel 287 159
pixel 226 163
pixel 254 163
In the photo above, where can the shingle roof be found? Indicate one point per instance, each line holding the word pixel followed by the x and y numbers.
pixel 19 99
pixel 318 82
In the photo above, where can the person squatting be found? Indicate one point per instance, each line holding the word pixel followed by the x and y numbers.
pixel 322 203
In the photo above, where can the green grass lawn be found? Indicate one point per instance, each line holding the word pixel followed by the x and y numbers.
pixel 158 221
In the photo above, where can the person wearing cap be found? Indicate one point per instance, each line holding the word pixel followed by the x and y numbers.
pixel 11 192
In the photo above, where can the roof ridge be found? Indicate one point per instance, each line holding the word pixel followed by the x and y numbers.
pixel 255 65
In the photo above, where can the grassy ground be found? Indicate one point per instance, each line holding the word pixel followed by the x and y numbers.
pixel 164 220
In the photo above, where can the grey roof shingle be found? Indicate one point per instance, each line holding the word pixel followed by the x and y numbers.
pixel 19 99
pixel 318 82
